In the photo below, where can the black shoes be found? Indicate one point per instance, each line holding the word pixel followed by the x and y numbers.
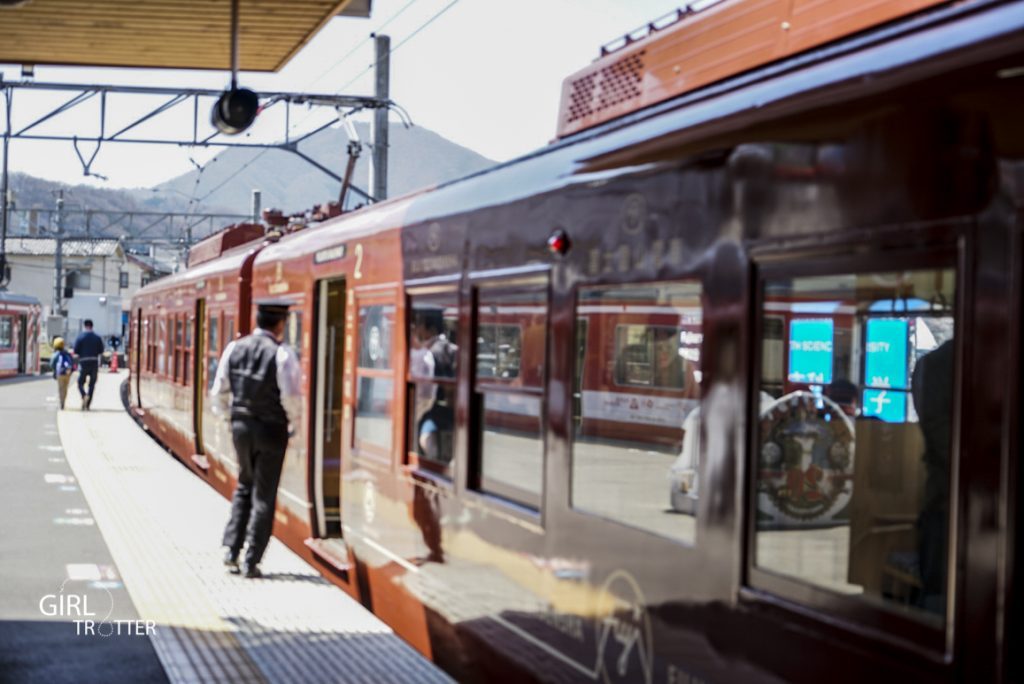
pixel 252 571
pixel 231 562
pixel 86 401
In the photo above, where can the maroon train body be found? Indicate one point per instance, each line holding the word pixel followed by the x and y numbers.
pixel 758 422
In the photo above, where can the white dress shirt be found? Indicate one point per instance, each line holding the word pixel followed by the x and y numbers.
pixel 289 380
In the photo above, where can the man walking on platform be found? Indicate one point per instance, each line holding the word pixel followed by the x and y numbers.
pixel 88 349
pixel 262 376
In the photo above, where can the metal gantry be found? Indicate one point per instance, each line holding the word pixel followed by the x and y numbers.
pixel 201 134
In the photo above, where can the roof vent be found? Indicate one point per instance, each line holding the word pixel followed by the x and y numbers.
pixel 612 85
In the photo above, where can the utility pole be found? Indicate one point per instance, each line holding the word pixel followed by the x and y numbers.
pixel 379 135
pixel 58 256
pixel 257 201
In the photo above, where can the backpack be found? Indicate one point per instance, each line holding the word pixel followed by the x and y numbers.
pixel 63 364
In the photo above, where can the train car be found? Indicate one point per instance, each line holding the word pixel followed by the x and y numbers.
pixel 19 334
pixel 819 207
pixel 179 327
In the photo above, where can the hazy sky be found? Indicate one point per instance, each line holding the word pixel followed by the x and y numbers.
pixel 486 74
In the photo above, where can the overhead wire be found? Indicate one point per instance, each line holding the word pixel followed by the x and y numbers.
pixel 366 40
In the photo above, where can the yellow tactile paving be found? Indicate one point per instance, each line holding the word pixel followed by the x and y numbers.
pixel 163 526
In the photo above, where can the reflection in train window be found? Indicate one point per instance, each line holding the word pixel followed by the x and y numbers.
pixel 6 332
pixel 374 378
pixel 648 356
pixel 511 348
pixel 162 347
pixel 636 451
pixel 498 348
pixel 213 350
pixel 433 358
pixel 375 323
pixel 854 442
pixel 293 332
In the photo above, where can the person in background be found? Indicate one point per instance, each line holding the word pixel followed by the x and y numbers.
pixel 88 350
pixel 261 376
pixel 62 365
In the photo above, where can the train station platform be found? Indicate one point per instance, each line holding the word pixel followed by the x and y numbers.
pixel 163 607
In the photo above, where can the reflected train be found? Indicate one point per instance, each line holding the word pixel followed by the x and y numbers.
pixel 776 249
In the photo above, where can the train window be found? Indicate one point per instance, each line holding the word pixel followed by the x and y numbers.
pixel 511 349
pixel 854 438
pixel 6 332
pixel 293 332
pixel 229 327
pixel 213 350
pixel 433 346
pixel 187 351
pixel 637 417
pixel 374 377
pixel 161 341
pixel 178 340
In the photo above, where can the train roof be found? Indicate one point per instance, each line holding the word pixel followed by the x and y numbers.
pixel 11 298
pixel 229 262
pixel 365 221
pixel 174 34
pixel 696 47
pixel 874 59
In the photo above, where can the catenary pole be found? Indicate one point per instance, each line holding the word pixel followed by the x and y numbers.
pixel 379 159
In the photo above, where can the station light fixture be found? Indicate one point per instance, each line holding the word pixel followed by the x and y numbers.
pixel 236 108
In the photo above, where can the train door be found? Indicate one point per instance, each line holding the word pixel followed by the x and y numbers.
pixel 199 373
pixel 135 356
pixel 329 398
pixel 22 343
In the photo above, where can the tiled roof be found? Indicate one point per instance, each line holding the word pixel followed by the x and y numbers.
pixel 149 263
pixel 29 246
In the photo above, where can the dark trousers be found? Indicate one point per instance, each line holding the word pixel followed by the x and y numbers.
pixel 90 370
pixel 260 448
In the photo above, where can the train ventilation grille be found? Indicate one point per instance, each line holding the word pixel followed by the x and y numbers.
pixel 612 85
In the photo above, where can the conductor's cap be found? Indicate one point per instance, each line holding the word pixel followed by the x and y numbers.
pixel 277 307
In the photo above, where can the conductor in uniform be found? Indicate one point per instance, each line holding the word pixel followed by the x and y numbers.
pixel 261 375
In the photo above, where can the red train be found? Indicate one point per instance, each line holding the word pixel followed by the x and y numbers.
pixel 785 266
pixel 19 334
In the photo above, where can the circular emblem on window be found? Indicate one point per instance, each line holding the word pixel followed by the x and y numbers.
pixel 805 469
pixel 434 237
pixel 634 213
pixel 373 344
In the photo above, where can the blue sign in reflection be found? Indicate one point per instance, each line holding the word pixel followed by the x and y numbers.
pixel 887 405
pixel 885 358
pixel 810 350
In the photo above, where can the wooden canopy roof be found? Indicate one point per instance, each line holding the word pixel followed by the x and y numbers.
pixel 178 34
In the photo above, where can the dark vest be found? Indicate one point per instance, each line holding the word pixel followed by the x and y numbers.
pixel 252 370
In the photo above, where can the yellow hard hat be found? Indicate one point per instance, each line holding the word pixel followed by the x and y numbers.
pixel 58 343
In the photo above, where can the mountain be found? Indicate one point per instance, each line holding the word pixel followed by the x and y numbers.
pixel 417 157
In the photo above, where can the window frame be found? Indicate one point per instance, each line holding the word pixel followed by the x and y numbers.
pixel 10 344
pixel 852 613
pixel 362 449
pixel 510 498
